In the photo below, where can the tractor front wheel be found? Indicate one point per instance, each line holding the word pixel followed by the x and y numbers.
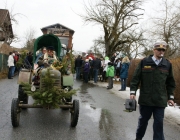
pixel 15 112
pixel 75 113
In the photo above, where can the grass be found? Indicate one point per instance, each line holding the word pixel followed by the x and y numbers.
pixel 3 75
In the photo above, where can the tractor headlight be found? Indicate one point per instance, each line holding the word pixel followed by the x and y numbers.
pixel 66 90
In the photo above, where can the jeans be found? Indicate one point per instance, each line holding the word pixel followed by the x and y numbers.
pixel 13 71
pixel 10 72
pixel 78 72
pixel 95 71
pixel 145 114
pixel 123 83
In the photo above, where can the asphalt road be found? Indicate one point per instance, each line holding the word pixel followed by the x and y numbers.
pixel 101 118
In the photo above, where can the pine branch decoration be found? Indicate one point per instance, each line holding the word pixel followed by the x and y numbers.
pixel 50 96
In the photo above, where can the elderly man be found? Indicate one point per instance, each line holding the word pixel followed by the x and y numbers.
pixel 50 53
pixel 156 90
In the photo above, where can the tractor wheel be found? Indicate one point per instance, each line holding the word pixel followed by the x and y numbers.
pixel 22 96
pixel 15 112
pixel 75 113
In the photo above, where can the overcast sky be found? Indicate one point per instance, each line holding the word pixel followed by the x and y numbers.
pixel 41 13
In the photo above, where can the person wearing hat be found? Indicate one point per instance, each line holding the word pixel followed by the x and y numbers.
pixel 50 54
pixel 110 75
pixel 156 90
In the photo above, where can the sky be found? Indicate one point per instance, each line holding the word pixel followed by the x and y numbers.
pixel 35 14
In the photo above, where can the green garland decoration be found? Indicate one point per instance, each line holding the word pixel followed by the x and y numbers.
pixel 50 96
pixel 21 59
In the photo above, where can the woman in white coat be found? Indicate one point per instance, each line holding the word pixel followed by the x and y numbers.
pixel 10 65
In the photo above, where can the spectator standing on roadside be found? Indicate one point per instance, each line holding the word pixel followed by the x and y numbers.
pixel 105 66
pixel 117 68
pixel 110 75
pixel 16 58
pixel 156 90
pixel 10 64
pixel 91 69
pixel 124 72
pixel 113 58
pixel 86 69
pixel 29 60
pixel 96 64
pixel 101 69
pixel 78 65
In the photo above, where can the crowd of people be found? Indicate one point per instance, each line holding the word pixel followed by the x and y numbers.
pixel 103 69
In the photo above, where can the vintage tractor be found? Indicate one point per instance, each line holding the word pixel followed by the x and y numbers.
pixel 50 85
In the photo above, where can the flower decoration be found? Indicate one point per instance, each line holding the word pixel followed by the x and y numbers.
pixel 57 65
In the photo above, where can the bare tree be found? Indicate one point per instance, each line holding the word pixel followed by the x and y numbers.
pixel 29 37
pixel 166 26
pixel 136 45
pixel 116 17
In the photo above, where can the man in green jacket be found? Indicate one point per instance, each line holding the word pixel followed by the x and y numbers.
pixel 156 90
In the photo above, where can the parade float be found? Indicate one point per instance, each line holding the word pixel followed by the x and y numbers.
pixel 50 81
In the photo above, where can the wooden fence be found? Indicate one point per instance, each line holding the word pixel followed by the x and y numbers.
pixel 3 62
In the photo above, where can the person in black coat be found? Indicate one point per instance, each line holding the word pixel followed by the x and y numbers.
pixel 78 65
pixel 96 65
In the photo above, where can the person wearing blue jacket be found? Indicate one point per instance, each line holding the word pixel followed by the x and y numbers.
pixel 124 72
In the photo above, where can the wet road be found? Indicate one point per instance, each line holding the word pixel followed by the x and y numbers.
pixel 101 118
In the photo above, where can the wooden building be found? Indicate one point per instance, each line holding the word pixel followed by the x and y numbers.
pixel 64 33
pixel 6 31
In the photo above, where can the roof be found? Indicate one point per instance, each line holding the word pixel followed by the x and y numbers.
pixel 3 14
pixel 58 25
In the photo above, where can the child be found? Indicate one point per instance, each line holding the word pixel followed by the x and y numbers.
pixel 110 75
